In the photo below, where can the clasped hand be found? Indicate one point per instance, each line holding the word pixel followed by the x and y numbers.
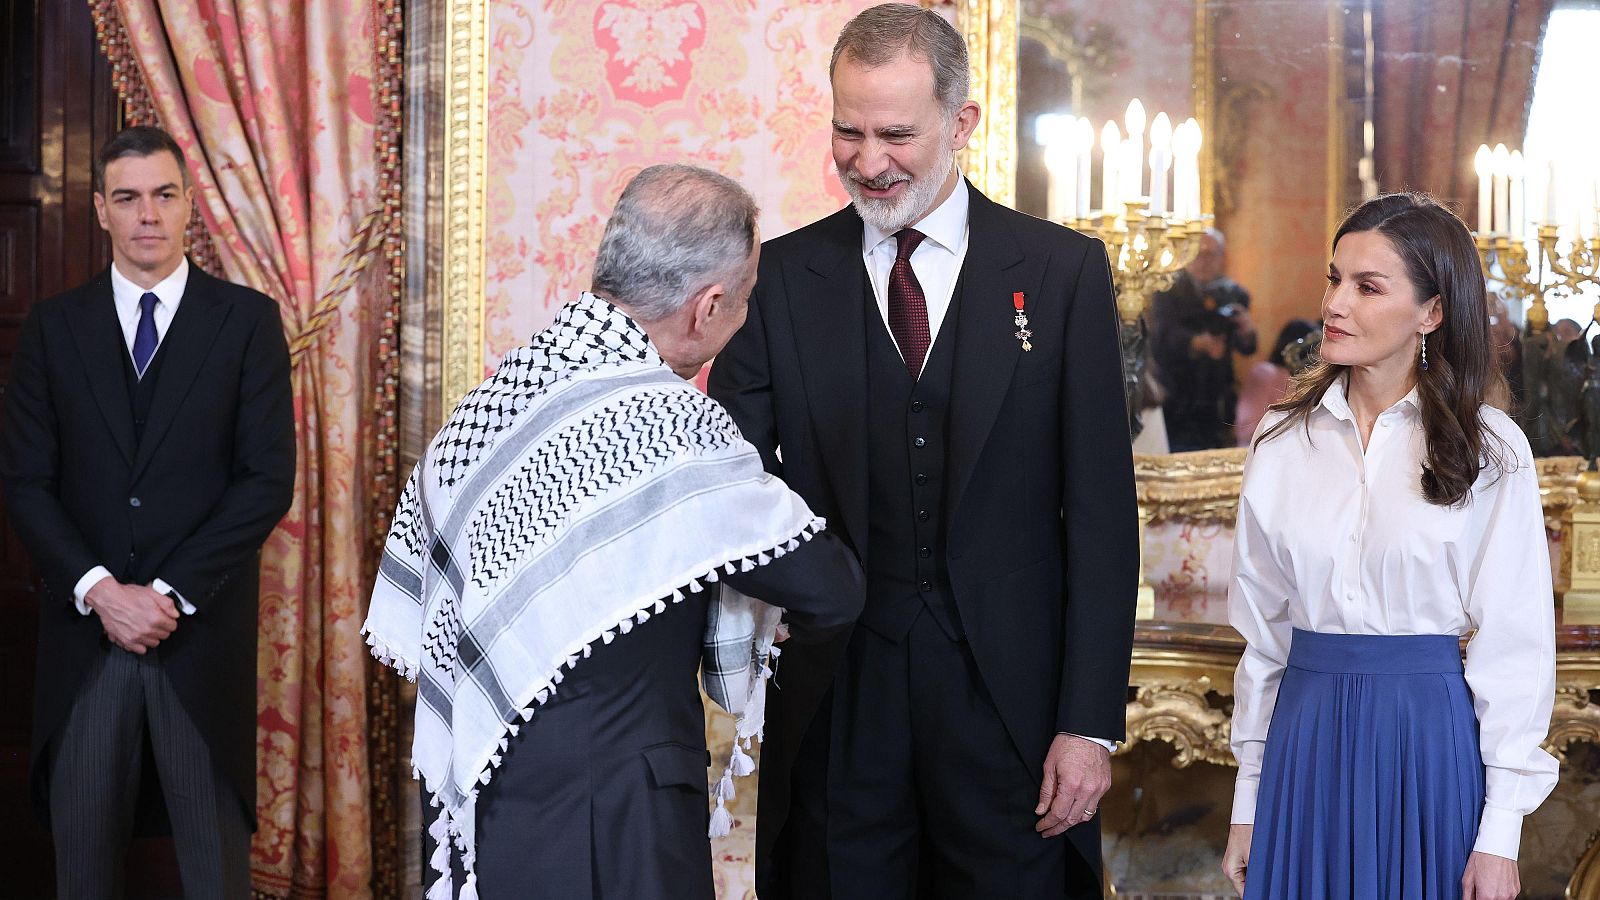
pixel 135 617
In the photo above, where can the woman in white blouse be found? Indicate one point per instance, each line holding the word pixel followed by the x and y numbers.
pixel 1388 510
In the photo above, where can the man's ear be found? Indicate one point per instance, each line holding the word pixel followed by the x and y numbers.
pixel 709 303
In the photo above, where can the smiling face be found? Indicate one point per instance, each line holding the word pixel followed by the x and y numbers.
pixel 144 206
pixel 1373 314
pixel 893 146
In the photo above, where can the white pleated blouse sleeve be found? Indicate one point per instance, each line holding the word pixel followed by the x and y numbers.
pixel 1510 663
pixel 1258 608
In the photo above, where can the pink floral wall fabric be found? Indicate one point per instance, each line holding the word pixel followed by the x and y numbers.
pixel 585 93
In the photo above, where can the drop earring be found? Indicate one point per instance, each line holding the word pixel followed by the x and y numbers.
pixel 1424 352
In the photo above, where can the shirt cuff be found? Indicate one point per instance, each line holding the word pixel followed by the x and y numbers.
pixel 1499 832
pixel 1244 801
pixel 1111 746
pixel 184 606
pixel 82 588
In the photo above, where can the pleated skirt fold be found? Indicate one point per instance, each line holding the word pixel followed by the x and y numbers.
pixel 1372 782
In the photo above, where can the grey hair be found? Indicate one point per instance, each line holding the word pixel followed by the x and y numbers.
pixel 676 231
pixel 877 37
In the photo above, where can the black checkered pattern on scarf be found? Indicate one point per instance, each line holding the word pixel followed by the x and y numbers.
pixel 587 333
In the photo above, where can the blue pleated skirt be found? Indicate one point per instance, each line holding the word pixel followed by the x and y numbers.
pixel 1372 783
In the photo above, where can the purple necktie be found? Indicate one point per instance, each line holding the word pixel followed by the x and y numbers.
pixel 144 338
pixel 908 308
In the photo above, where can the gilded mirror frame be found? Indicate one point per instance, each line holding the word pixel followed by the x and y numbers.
pixel 992 29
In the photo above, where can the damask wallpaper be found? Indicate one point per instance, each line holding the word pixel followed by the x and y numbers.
pixel 583 94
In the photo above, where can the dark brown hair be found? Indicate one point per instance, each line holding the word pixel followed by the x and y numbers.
pixel 1441 261
pixel 139 140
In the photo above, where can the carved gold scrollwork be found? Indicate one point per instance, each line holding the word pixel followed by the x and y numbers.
pixel 1585 883
pixel 1203 486
pixel 1181 714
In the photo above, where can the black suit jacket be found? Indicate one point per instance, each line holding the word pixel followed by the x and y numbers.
pixel 191 502
pixel 1043 525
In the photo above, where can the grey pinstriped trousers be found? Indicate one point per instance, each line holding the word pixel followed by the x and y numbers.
pixel 94 786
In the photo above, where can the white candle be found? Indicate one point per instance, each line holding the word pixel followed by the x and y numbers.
pixel 1502 196
pixel 1133 150
pixel 1549 217
pixel 1160 162
pixel 1483 164
pixel 1192 141
pixel 1110 149
pixel 1519 213
pixel 1063 172
pixel 1595 205
pixel 1083 140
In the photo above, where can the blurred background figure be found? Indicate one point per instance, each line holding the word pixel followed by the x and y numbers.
pixel 1267 381
pixel 1196 328
pixel 1506 339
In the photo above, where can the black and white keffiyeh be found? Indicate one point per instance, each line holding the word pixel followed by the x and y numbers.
pixel 570 497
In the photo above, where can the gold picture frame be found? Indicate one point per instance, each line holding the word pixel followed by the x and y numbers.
pixel 464 148
pixel 992 28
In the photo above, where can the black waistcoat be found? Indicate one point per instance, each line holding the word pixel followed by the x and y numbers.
pixel 908 424
pixel 141 391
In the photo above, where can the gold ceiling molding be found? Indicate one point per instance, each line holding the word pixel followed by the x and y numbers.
pixel 465 143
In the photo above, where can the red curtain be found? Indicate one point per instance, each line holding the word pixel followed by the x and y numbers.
pixel 289 116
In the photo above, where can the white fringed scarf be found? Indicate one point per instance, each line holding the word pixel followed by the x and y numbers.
pixel 570 497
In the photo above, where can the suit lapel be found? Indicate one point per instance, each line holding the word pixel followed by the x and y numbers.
pixel 827 306
pixel 101 346
pixel 187 343
pixel 987 350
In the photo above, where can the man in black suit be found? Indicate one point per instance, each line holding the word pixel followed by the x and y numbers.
pixel 147 451
pixel 939 377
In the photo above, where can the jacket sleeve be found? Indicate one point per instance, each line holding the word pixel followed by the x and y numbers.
pixel 262 485
pixel 1099 511
pixel 30 459
pixel 819 586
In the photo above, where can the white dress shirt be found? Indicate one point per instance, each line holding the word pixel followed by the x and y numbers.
pixel 1339 540
pixel 126 295
pixel 936 261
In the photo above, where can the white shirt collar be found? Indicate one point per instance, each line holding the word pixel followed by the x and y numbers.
pixel 1336 401
pixel 168 290
pixel 946 225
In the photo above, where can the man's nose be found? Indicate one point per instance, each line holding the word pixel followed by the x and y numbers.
pixel 872 160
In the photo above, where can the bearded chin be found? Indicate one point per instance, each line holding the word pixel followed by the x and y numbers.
pixel 890 216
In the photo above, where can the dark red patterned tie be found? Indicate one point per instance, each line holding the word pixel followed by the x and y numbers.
pixel 908 308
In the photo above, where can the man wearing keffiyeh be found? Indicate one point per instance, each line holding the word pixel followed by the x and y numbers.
pixel 551 565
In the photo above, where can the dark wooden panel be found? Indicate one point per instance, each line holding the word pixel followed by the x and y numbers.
pixel 19 267
pixel 19 85
pixel 56 107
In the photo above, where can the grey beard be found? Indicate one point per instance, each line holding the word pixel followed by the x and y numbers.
pixel 891 216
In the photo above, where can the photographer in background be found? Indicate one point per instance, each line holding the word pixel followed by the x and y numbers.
pixel 1196 328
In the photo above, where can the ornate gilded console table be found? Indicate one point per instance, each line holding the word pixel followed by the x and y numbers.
pixel 1182 674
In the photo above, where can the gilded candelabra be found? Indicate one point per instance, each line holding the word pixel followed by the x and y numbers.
pixel 1552 272
pixel 1561 375
pixel 1147 251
